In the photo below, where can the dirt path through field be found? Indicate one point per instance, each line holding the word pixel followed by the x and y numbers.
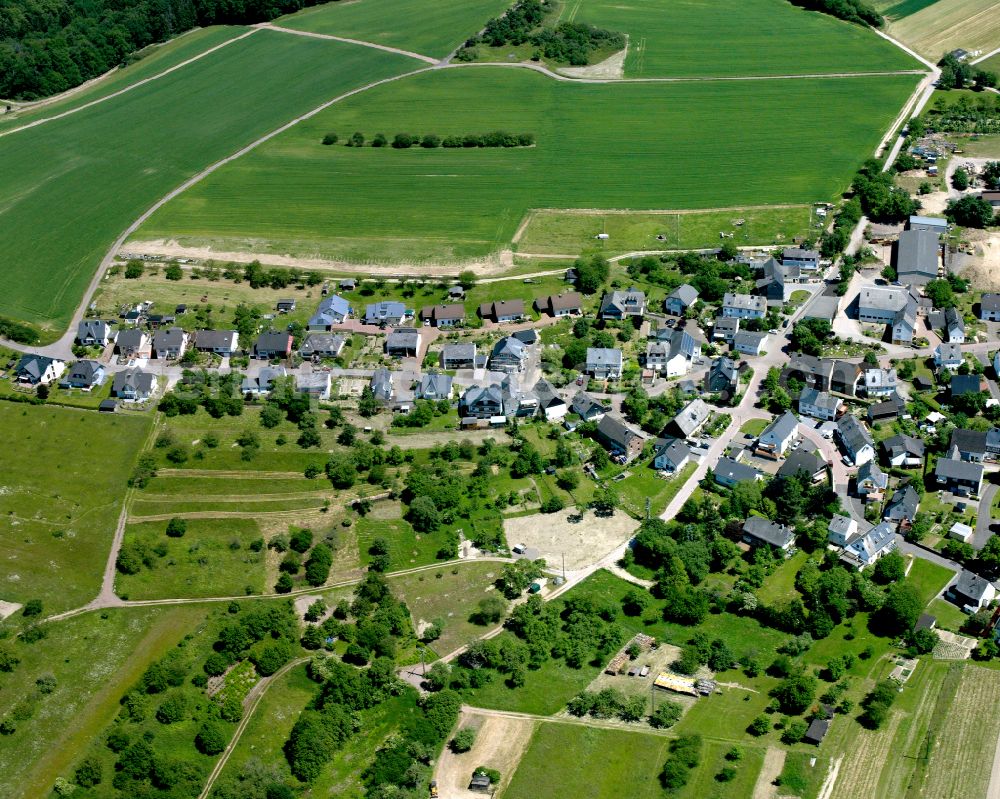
pixel 774 762
pixel 271 27
pixel 500 744
pixel 612 67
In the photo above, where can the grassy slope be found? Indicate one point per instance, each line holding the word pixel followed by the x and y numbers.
pixel 161 134
pixel 157 58
pixel 433 29
pixel 64 472
pixel 736 37
pixel 94 660
pixel 593 150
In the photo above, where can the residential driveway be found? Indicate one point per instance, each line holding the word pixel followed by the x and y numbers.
pixel 985 516
pixel 906 548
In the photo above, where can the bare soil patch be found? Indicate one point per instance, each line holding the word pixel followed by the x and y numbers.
pixel 500 744
pixel 582 543
pixel 612 67
pixel 774 762
pixel 984 269
pixel 8 609
pixel 658 660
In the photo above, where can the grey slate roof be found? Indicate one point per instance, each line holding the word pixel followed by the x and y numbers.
pixel 800 460
pixel 272 341
pixel 142 382
pixel 735 471
pixel 322 343
pixel 819 399
pixel 214 339
pixel 948 468
pixel 762 529
pixel 965 384
pixel 613 428
pixel 692 416
pixel 903 505
pixel 331 310
pixel 547 395
pixel 403 338
pixel 917 256
pixel 971 585
pixel 459 352
pixel 687 294
pixel 900 444
pixel 604 357
pixel 971 441
pixel 386 311
pixel 675 451
pixel 853 434
pixel 782 428
pixel 870 472
pixel 85 372
pixel 381 384
pixel 434 386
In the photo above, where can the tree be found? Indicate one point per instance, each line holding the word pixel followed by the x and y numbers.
pixel 133 269
pixel 463 740
pixel 759 726
pixel 890 568
pixel 467 279
pixel 970 211
pixel 210 740
pixel 665 715
pixel 605 501
pixel 33 607
pixel 591 273
pixel 368 406
pixel 940 293
pixel 423 515
pixel 88 773
pixel 176 527
pixel 960 179
pixel 795 693
pixel 489 610
pixel 900 610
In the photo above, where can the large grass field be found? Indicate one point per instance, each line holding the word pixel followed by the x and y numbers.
pixel 71 186
pixel 641 146
pixel 152 61
pixel 94 659
pixel 686 38
pixel 432 29
pixel 64 476
pixel 569 760
pixel 940 27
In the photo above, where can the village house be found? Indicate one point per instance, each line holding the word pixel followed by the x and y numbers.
pixel 619 305
pixel 807 260
pixel 671 456
pixel 443 315
pixel 322 345
pixel 133 385
pixel 723 376
pixel 802 461
pixel 917 256
pixel 744 306
pixel 691 418
pixel 458 356
pixel 864 549
pixel 675 356
pixel 134 343
pixel 904 452
pixel 779 280
pixel 902 505
pixel 892 408
pixel 33 370
pixel 604 363
pixel 989 308
pixel 85 375
pixel 680 299
pixel 588 408
pixel 434 386
pixel 880 382
pixel 620 439
pixel 403 342
pixel 729 472
pixel 948 356
pixel 960 385
pixel 758 531
pixel 779 436
pixel 750 343
pixel 221 342
pixel 840 530
pixel 890 305
pixel 855 439
pixel 818 404
pixel 387 313
pixel 725 328
pixel 844 378
pixel 381 384
pixel 272 345
pixel 972 591
pixel 954 326
pixel 557 305
pixel 969 444
pixel 170 344
pixel 501 311
pixel 809 370
pixel 517 402
pixel 314 384
pixel 482 402
pixel 508 355
pixel 961 478
pixel 285 305
pixel 332 310
pixel 263 382
pixel 92 332
pixel 871 482
pixel 550 404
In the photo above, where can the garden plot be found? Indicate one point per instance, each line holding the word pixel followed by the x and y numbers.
pixel 582 543
pixel 500 743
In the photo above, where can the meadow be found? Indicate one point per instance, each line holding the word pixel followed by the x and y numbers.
pixel 572 760
pixel 152 61
pixel 293 195
pixel 94 659
pixel 689 38
pixel 163 133
pixel 433 29
pixel 942 26
pixel 64 476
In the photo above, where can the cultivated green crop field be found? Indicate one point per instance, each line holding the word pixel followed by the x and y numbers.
pixel 63 474
pixel 601 764
pixel 155 60
pixel 432 29
pixel 642 146
pixel 69 187
pixel 691 38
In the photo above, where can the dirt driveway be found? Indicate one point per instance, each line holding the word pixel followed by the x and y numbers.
pixel 500 744
pixel 583 543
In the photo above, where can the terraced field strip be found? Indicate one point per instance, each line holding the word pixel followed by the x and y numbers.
pixel 949 24
pixel 861 768
pixel 236 95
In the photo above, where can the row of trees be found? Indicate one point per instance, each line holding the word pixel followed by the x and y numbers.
pixel 431 141
pixel 856 11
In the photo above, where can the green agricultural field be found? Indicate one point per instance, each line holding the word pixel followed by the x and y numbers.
pixel 213 558
pixel 569 232
pixel 688 38
pixel 94 659
pixel 572 760
pixel 153 60
pixel 414 205
pixel 104 166
pixel 432 29
pixel 64 476
pixel 940 27
pixel 897 9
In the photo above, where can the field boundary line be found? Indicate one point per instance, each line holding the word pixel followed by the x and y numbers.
pixel 261 689
pixel 398 51
pixel 129 88
pixel 982 58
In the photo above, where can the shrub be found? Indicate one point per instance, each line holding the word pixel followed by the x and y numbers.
pixel 210 739
pixel 176 527
pixel 463 740
pixel 88 773
pixel 173 709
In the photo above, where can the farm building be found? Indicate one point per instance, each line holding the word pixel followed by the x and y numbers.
pixel 676 683
pixel 917 256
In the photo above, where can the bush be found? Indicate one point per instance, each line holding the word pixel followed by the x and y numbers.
pixel 88 773
pixel 173 709
pixel 463 740
pixel 176 527
pixel 210 739
pixel 667 714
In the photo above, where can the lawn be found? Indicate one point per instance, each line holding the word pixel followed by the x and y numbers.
pixel 802 774
pixel 644 484
pixel 434 29
pixel 736 37
pixel 928 578
pixel 754 427
pixel 948 616
pixel 947 24
pixel 406 547
pixel 212 559
pixel 287 195
pixel 104 166
pixel 152 60
pixel 703 783
pixel 570 760
pixel 64 476
pixel 450 594
pixel 94 658
pixel 570 232
pixel 780 584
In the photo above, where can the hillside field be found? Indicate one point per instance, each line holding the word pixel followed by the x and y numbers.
pixel 593 150
pixel 162 133
pixel 945 25
pixel 690 38
pixel 432 29
pixel 63 478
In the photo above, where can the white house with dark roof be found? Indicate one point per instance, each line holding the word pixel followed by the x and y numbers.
pixel 604 363
pixel 758 531
pixel 403 342
pixel 804 259
pixel 508 355
pixel 855 439
pixel 954 326
pixel 871 482
pixel 133 385
pixel 744 306
pixel 134 343
pixel 864 549
pixel 671 456
pixel 691 418
pixel 93 332
pixel 948 356
pixel 623 304
pixel 779 436
pixel 972 591
pixel 84 374
pixel 675 356
pixel 33 370
pixel 725 328
pixel 385 313
pixel 680 299
pixel 961 478
pixel 170 344
pixel 458 356
pixel 728 472
pixel 750 343
pixel 840 530
pixel 818 404
pixel 902 506
pixel 221 342
pixel 989 308
pixel 904 452
pixel 322 345
pixel 550 404
pixel 588 408
pixel 381 384
pixel 482 402
pixel 434 386
pixel 880 382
